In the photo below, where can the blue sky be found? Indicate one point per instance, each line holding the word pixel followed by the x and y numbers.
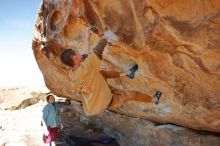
pixel 17 62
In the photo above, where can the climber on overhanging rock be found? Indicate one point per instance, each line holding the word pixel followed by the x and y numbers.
pixel 86 77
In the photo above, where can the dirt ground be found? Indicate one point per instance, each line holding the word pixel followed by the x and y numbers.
pixel 22 127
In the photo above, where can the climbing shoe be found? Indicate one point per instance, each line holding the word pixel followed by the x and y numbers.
pixel 133 70
pixel 157 97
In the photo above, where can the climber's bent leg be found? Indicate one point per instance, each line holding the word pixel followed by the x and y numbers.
pixel 120 97
pixel 137 96
pixel 115 103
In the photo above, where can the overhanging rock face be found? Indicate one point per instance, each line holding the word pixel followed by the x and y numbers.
pixel 175 43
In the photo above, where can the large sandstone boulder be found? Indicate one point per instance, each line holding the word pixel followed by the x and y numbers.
pixel 175 43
